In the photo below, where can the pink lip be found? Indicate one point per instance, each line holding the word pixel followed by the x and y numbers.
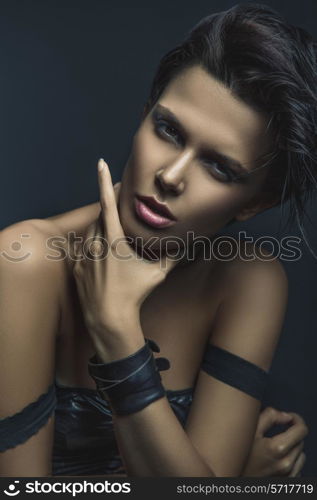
pixel 156 206
pixel 150 217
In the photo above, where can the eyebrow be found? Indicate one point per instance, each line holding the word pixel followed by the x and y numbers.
pixel 231 162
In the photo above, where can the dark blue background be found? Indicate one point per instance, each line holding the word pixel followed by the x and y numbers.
pixel 74 77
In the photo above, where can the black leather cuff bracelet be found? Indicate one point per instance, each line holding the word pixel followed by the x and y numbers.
pixel 132 383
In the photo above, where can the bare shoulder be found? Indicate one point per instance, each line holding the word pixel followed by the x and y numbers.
pixel 255 269
pixel 77 219
pixel 24 247
pixel 253 305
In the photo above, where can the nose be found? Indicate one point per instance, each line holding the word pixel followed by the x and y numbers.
pixel 171 177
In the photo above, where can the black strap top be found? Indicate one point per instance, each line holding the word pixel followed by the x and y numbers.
pixel 84 442
pixel 84 437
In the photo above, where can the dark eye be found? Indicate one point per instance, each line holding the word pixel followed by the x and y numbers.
pixel 221 172
pixel 166 130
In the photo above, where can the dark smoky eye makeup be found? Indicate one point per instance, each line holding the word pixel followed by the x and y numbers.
pixel 222 172
pixel 167 130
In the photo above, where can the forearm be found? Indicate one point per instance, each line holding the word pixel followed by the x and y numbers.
pixel 152 442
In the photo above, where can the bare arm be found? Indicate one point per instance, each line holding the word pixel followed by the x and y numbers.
pixel 29 316
pixel 222 420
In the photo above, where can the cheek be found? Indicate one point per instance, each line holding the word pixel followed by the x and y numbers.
pixel 138 145
pixel 210 200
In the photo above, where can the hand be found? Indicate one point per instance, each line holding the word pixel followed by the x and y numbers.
pixel 282 454
pixel 112 280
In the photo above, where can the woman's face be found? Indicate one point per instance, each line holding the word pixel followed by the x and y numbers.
pixel 182 165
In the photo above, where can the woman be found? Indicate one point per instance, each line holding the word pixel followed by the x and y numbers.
pixel 227 132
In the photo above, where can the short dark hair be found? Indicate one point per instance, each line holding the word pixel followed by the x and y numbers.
pixel 271 65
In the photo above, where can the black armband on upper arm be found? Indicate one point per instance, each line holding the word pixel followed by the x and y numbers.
pixel 235 371
pixel 17 428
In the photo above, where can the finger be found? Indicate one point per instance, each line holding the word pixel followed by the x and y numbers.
pixel 297 418
pixel 96 246
pixel 117 188
pixel 100 226
pixel 298 465
pixel 76 251
pixel 285 464
pixel 288 439
pixel 269 417
pixel 296 451
pixel 91 242
pixel 91 245
pixel 91 230
pixel 110 217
